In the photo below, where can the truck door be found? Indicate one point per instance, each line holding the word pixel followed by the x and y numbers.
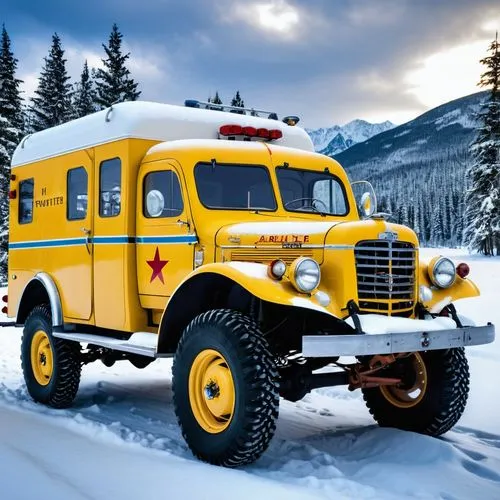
pixel 75 262
pixel 165 242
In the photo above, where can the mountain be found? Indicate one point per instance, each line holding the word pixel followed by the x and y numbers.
pixel 333 140
pixel 418 168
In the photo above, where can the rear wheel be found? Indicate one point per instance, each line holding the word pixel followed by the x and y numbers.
pixel 225 387
pixel 51 366
pixel 432 396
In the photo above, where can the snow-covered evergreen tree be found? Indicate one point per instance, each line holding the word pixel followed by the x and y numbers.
pixel 482 214
pixel 11 130
pixel 51 104
pixel 114 83
pixel 216 99
pixel 238 102
pixel 84 95
pixel 437 236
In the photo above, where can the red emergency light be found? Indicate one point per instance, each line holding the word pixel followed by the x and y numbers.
pixel 261 133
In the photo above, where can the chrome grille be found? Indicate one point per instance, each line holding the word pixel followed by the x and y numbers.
pixel 385 273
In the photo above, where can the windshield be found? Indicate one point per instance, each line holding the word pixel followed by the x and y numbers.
pixel 311 191
pixel 243 187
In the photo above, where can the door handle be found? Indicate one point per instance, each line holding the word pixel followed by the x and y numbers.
pixel 87 242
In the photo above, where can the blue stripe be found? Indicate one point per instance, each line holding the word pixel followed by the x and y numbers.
pixel 104 240
pixel 113 239
pixel 191 238
pixel 48 243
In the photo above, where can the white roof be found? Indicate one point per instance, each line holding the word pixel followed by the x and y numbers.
pixel 144 120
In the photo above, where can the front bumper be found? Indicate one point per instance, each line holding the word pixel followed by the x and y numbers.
pixel 390 335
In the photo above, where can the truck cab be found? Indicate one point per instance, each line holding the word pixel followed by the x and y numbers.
pixel 221 239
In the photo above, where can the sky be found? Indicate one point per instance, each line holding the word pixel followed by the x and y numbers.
pixel 327 61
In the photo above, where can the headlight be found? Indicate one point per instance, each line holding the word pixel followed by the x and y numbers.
pixel 305 274
pixel 442 272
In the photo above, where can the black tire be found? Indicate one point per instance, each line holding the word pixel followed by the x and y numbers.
pixel 256 389
pixel 60 390
pixel 443 400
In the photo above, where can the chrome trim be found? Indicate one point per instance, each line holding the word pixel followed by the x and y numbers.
pixel 313 246
pixel 54 298
pixel 325 346
pixel 109 342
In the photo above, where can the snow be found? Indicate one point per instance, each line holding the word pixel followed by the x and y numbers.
pixel 144 120
pixel 376 324
pixel 456 116
pixel 252 269
pixel 404 132
pixel 121 440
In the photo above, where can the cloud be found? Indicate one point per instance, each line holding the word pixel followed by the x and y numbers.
pixel 328 61
pixel 448 74
pixel 275 17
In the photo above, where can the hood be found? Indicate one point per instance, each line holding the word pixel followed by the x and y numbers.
pixel 351 233
pixel 286 240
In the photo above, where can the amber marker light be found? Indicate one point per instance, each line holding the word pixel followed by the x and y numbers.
pixel 276 269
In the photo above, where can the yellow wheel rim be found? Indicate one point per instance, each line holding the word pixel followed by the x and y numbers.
pixel 211 391
pixel 408 397
pixel 41 357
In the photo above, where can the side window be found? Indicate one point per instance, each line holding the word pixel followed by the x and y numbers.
pixel 162 195
pixel 26 201
pixel 110 188
pixel 77 186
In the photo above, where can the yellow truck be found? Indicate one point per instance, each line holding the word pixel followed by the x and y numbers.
pixel 220 238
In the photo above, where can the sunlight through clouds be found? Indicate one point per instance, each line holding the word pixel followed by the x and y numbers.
pixel 447 74
pixel 274 16
pixel 277 15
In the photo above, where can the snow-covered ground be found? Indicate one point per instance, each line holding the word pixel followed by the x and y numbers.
pixel 121 440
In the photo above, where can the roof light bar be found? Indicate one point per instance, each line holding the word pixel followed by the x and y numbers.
pixel 250 132
pixel 231 130
pixel 193 103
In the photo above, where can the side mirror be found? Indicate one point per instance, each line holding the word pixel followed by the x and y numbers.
pixel 365 197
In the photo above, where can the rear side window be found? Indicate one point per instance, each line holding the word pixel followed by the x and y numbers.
pixel 162 195
pixel 110 186
pixel 26 201
pixel 77 193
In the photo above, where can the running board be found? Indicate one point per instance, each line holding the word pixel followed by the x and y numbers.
pixel 142 343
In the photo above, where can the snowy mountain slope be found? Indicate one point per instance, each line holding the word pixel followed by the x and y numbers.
pixel 433 134
pixel 333 140
pixel 418 169
pixel 121 439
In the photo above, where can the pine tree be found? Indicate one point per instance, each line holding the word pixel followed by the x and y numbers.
pixel 84 95
pixel 113 83
pixel 11 130
pixel 482 214
pixel 52 104
pixel 437 236
pixel 238 102
pixel 216 99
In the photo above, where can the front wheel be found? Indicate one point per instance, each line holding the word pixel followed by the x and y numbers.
pixel 432 396
pixel 225 388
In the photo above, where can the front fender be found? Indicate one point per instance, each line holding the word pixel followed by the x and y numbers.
pixel 441 297
pixel 210 287
pixel 253 277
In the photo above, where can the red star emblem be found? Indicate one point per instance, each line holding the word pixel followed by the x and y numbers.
pixel 157 265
